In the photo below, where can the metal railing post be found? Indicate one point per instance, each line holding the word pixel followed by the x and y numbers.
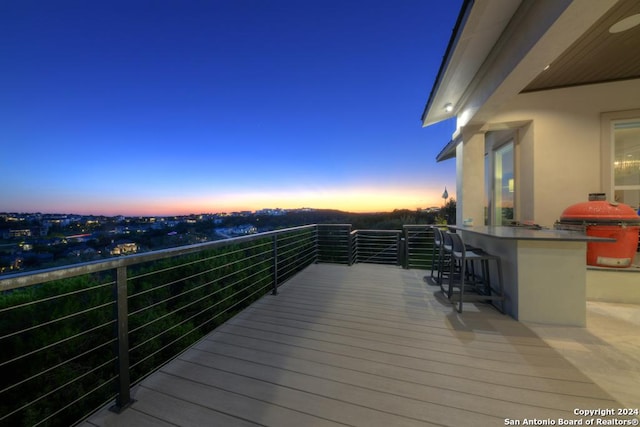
pixel 123 398
pixel 405 263
pixel 275 265
pixel 351 242
pixel 317 244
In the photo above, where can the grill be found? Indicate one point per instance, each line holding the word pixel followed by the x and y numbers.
pixel 600 218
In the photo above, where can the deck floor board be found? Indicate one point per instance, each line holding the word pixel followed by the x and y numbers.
pixel 365 345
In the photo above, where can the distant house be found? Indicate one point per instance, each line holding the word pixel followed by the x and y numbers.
pixel 546 98
pixel 432 209
pixel 25 232
pixel 240 230
pixel 54 220
pixel 245 229
pixel 271 212
pixel 82 251
pixel 118 229
pixel 124 248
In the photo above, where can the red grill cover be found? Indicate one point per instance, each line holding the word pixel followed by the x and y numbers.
pixel 600 211
pixel 610 220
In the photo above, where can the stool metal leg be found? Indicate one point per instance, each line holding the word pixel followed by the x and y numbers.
pixel 463 274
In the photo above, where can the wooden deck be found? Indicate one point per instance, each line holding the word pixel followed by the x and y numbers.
pixel 366 345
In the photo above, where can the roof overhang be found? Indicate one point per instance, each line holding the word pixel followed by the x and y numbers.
pixel 449 150
pixel 501 48
pixel 477 29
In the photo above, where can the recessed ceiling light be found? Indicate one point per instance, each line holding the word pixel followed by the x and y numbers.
pixel 546 68
pixel 448 107
pixel 625 24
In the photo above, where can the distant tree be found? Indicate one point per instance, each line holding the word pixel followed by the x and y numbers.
pixel 449 211
pixel 31 262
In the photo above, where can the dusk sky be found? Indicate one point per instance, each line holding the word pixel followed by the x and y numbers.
pixel 165 107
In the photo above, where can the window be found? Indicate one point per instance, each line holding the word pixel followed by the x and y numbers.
pixel 487 189
pixel 503 185
pixel 626 162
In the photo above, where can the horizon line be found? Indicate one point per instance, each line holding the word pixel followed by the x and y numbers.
pixel 216 213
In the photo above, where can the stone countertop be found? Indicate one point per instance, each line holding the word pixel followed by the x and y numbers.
pixel 523 233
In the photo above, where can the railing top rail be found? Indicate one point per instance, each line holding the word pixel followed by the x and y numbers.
pixel 29 278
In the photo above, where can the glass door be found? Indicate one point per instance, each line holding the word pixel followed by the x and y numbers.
pixel 503 185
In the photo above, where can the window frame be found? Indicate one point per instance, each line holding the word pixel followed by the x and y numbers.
pixel 608 122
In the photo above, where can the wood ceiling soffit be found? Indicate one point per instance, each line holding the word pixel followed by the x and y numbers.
pixel 598 56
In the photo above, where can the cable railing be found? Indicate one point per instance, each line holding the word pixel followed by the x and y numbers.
pixel 334 243
pixel 418 246
pixel 378 247
pixel 75 338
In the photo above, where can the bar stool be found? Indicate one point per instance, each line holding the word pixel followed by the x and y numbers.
pixel 462 274
pixel 448 266
pixel 439 257
pixel 435 249
pixel 436 255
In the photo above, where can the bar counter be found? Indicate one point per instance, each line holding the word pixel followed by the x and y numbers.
pixel 544 271
pixel 524 233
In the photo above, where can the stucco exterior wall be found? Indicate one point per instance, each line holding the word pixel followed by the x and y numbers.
pixel 470 179
pixel 559 150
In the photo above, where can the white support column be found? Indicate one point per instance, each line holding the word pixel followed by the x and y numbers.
pixel 470 189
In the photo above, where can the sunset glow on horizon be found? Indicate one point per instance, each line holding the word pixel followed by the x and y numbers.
pixel 356 200
pixel 122 108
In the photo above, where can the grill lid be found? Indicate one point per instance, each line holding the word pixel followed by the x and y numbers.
pixel 600 212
